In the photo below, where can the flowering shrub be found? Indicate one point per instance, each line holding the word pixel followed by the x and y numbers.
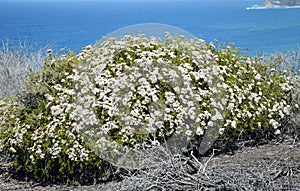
pixel 288 64
pixel 42 139
pixel 294 120
pixel 139 88
pixel 119 94
pixel 258 96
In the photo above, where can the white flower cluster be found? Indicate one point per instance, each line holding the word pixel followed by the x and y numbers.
pixel 253 96
pixel 5 115
pixel 135 88
pixel 139 88
pixel 58 135
pixel 51 134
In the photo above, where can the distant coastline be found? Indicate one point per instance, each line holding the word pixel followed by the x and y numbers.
pixel 277 4
pixel 282 3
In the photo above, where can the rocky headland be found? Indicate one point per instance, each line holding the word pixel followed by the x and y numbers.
pixel 282 3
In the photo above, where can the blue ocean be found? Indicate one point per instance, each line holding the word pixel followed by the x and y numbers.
pixel 74 24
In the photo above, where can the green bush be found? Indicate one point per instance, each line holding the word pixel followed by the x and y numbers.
pixel 123 92
pixel 256 97
pixel 45 146
pixel 288 63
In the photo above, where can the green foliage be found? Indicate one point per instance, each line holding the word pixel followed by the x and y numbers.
pixel 56 155
pixel 259 96
pixel 41 130
pixel 41 82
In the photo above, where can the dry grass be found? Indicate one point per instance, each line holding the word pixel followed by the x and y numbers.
pixel 268 167
pixel 16 64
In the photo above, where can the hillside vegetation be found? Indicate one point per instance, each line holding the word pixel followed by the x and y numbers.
pixel 73 119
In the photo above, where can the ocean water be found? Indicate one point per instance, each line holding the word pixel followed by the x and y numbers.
pixel 74 24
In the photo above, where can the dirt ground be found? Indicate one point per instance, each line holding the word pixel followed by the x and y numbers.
pixel 274 166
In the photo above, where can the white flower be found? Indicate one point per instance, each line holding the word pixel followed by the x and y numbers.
pixel 199 131
pixel 13 150
pixel 221 131
pixel 230 106
pixel 274 123
pixel 258 76
pixel 189 133
pixel 56 110
pixel 233 124
pixel 277 132
pixel 49 97
pixel 155 143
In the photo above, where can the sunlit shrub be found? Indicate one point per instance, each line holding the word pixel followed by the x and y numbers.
pixel 258 96
pixel 124 92
pixel 44 145
pixel 289 64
